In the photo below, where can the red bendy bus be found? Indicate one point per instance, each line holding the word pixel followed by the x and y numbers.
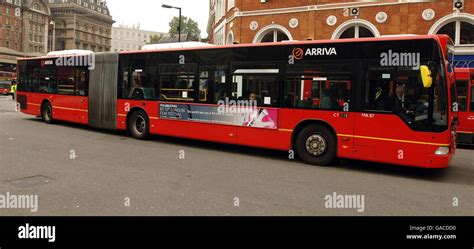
pixel 465 91
pixel 362 99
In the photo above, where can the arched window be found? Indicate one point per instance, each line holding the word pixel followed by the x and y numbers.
pixel 273 33
pixel 274 36
pixel 356 31
pixel 230 38
pixel 461 32
pixel 356 28
pixel 459 26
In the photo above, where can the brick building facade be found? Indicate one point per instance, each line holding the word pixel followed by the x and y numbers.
pixel 254 21
pixel 23 30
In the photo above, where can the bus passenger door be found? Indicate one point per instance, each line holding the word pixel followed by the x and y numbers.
pixel 333 93
pixel 465 88
pixel 376 110
pixel 82 79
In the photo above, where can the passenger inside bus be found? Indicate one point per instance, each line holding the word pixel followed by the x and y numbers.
pixel 380 99
pixel 398 104
pixel 137 91
pixel 252 97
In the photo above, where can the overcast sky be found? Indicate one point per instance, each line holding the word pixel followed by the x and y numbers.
pixel 152 17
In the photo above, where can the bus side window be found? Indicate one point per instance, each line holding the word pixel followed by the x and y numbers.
pixel 260 88
pixel 212 84
pixel 48 80
pixel 325 93
pixel 379 88
pixel 82 79
pixel 177 87
pixel 462 89
pixel 66 81
pixel 472 99
pixel 139 78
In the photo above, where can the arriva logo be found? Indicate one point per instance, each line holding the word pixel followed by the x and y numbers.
pixel 299 53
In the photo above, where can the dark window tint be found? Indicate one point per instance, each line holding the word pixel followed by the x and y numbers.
pixel 48 80
pixel 34 79
pixel 260 88
pixel 462 90
pixel 66 81
pixel 356 32
pixel 472 99
pixel 449 29
pixel 22 76
pixel 399 90
pixel 257 82
pixel 316 92
pixel 82 80
pixel 138 77
pixel 348 33
pixel 177 82
pixel 365 32
pixel 379 88
pixel 324 85
pixel 467 33
pixel 275 36
pixel 212 84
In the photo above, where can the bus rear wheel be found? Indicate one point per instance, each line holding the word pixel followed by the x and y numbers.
pixel 47 113
pixel 316 145
pixel 139 125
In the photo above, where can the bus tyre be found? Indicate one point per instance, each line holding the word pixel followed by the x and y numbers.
pixel 47 113
pixel 316 145
pixel 139 125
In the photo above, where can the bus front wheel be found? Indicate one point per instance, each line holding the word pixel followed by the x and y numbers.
pixel 139 125
pixel 316 145
pixel 47 113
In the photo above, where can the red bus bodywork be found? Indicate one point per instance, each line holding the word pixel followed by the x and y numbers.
pixel 361 136
pixel 465 129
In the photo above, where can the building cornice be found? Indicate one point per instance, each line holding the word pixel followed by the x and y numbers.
pixel 320 7
pixel 81 11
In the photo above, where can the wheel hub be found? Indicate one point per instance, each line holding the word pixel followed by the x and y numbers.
pixel 140 124
pixel 316 145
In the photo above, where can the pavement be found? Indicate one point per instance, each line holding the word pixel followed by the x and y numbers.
pixel 76 170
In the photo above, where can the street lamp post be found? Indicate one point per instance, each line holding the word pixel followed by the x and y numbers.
pixel 179 24
pixel 53 41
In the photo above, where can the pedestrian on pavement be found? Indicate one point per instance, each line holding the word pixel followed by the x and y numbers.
pixel 13 90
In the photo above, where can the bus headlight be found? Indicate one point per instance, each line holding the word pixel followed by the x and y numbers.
pixel 442 151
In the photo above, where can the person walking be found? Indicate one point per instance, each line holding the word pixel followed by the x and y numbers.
pixel 13 90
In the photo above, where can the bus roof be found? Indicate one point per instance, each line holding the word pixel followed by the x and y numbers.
pixel 69 52
pixel 175 45
pixel 288 43
pixel 294 42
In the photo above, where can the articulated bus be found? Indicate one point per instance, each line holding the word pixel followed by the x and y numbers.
pixel 465 91
pixel 384 99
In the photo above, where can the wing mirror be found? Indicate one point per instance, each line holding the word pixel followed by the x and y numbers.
pixel 426 76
